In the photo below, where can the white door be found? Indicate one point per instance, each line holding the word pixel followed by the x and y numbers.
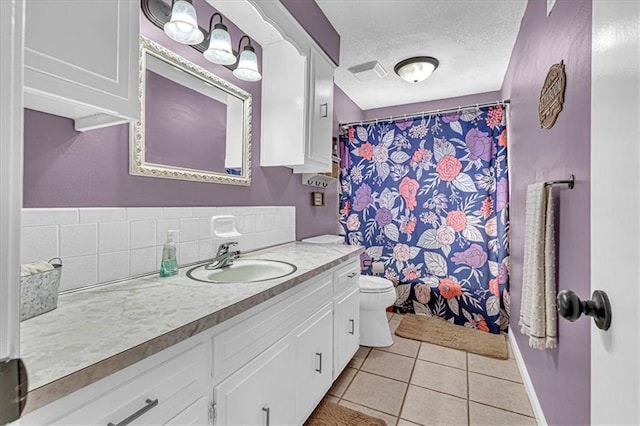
pixel 615 209
pixel 11 54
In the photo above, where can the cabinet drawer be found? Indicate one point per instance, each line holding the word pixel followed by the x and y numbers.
pixel 346 277
pixel 236 346
pixel 176 383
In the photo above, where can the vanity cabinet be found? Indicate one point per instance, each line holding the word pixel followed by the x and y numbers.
pixel 269 365
pixel 81 60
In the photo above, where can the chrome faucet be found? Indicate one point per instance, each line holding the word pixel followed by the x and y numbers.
pixel 224 257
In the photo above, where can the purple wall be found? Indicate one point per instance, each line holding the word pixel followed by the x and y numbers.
pixel 344 110
pixel 65 168
pixel 183 127
pixel 310 16
pixel 561 377
pixel 418 107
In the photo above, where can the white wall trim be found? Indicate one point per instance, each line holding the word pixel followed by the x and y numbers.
pixel 11 159
pixel 528 385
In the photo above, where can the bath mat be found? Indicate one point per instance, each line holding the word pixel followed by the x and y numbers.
pixel 443 333
pixel 332 414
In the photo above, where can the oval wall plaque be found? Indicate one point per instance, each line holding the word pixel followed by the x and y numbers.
pixel 552 95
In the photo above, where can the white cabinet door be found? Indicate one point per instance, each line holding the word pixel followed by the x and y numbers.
pixel 346 329
pixel 320 125
pixel 314 361
pixel 261 392
pixel 196 414
pixel 81 60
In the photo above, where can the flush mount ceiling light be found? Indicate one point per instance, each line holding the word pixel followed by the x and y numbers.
pixel 180 23
pixel 416 69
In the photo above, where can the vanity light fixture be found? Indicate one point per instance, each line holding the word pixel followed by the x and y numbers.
pixel 181 25
pixel 219 50
pixel 416 69
pixel 248 63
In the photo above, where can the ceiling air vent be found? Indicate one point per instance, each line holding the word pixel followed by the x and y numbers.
pixel 368 71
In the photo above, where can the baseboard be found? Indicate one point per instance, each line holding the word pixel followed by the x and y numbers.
pixel 531 392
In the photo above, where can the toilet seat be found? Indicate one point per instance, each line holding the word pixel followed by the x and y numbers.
pixel 370 284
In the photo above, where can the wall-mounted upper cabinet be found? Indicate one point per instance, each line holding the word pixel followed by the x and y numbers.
pixel 297 86
pixel 297 109
pixel 81 60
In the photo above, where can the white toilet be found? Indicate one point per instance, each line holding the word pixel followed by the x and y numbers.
pixel 376 294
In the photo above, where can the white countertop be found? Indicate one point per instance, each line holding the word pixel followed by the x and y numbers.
pixel 92 325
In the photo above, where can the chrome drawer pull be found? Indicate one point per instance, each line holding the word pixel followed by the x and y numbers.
pixel 352 275
pixel 268 411
pixel 319 369
pixel 150 404
pixel 353 326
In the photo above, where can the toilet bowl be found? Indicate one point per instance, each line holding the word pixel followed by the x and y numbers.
pixel 376 294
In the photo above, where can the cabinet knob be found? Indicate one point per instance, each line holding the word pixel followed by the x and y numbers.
pixel 353 326
pixel 571 307
pixel 319 369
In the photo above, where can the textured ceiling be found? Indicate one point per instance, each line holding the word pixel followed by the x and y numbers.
pixel 472 40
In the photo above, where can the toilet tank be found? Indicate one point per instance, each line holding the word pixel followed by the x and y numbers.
pixel 325 239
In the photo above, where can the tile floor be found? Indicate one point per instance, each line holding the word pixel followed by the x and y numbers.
pixel 414 383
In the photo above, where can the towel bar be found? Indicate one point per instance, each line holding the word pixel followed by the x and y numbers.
pixel 571 182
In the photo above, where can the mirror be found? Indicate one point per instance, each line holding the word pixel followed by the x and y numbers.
pixel 194 125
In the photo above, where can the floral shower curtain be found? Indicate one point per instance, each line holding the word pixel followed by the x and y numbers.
pixel 428 197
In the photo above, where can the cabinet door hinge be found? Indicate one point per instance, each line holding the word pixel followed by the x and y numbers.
pixel 212 412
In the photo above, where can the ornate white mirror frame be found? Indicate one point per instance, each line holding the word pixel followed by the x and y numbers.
pixel 137 162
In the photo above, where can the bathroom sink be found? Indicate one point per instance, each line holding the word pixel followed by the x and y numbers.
pixel 243 270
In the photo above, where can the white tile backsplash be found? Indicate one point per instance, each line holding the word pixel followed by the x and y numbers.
pixel 79 272
pixel 98 215
pixel 104 244
pixel 144 213
pixel 113 266
pixel 39 217
pixel 144 261
pixel 78 240
pixel 143 234
pixel 177 212
pixel 38 243
pixel 188 252
pixel 113 236
pixel 189 229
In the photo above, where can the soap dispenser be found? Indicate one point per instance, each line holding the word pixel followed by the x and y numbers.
pixel 169 265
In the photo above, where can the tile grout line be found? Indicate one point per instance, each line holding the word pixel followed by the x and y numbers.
pixel 466 358
pixel 406 391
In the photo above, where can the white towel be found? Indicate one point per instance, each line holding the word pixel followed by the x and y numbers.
pixel 538 315
pixel 36 267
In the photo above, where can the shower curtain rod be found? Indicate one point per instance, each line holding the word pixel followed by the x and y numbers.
pixel 423 113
